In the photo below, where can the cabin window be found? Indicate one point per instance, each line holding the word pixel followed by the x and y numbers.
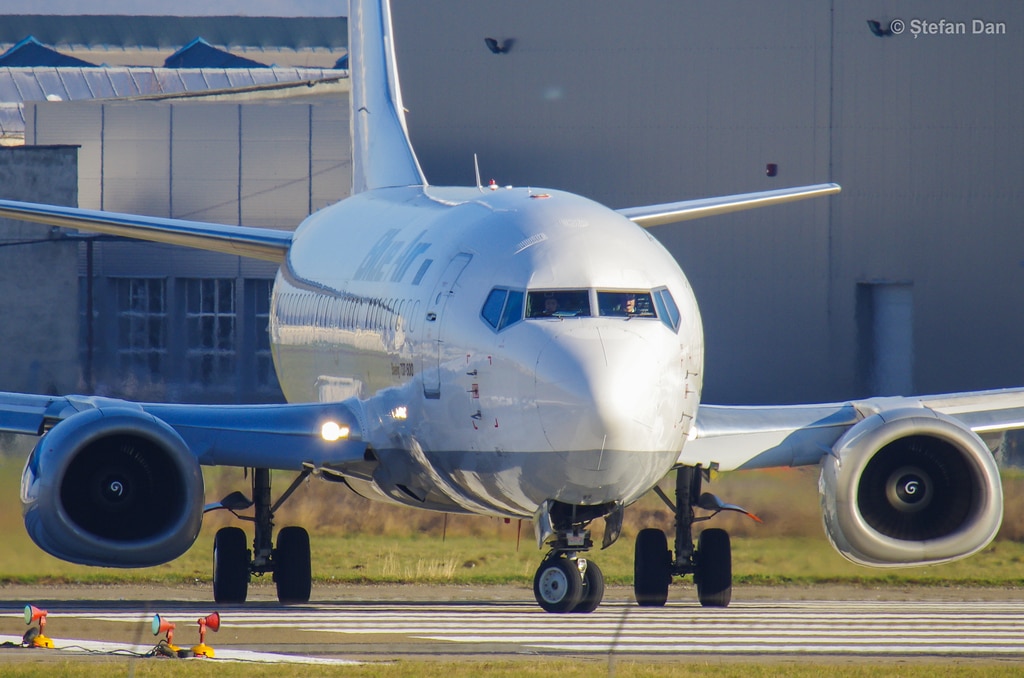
pixel 558 304
pixel 502 308
pixel 625 304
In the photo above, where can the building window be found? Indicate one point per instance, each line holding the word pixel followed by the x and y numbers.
pixel 142 327
pixel 264 363
pixel 210 330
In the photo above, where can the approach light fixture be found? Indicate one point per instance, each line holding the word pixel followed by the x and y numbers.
pixel 212 622
pixel 35 637
pixel 331 431
pixel 161 625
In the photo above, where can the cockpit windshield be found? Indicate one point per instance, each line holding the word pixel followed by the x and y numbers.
pixel 625 304
pixel 558 304
pixel 504 307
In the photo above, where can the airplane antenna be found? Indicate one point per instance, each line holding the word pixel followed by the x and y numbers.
pixel 476 167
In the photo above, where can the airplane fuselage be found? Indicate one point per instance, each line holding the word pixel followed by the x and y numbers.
pixel 425 305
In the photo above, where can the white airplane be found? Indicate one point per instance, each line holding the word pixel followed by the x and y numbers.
pixel 496 351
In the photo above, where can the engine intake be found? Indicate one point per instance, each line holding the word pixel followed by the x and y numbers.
pixel 114 487
pixel 910 487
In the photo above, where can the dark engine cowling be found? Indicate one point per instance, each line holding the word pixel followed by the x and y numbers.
pixel 910 487
pixel 113 487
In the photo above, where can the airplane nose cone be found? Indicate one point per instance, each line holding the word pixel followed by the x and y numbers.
pixel 603 388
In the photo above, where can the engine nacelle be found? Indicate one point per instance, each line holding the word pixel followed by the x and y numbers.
pixel 910 487
pixel 112 487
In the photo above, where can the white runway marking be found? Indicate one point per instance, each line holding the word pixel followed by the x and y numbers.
pixel 129 650
pixel 840 628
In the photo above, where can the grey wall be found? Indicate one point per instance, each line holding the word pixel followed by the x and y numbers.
pixel 252 163
pixel 636 103
pixel 39 300
pixel 928 141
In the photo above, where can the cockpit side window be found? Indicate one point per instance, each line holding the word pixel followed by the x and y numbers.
pixel 513 312
pixel 626 304
pixel 558 304
pixel 502 308
pixel 667 309
pixel 491 311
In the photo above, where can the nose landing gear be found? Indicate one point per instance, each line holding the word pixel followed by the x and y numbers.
pixel 565 581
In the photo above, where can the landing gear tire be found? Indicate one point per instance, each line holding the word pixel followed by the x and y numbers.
pixel 558 585
pixel 292 570
pixel 230 566
pixel 714 568
pixel 652 568
pixel 593 589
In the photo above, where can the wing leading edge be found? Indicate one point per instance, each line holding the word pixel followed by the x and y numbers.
pixel 256 243
pixel 669 213
pixel 736 437
pixel 284 437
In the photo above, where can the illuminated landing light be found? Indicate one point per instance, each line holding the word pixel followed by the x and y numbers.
pixel 401 412
pixel 332 432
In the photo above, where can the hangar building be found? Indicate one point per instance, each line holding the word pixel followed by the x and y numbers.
pixel 909 281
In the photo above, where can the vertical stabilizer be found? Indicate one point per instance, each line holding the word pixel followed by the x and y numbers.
pixel 381 153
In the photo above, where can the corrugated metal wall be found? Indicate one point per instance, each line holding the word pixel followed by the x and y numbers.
pixel 639 103
pixel 261 164
pixel 258 164
pixel 634 103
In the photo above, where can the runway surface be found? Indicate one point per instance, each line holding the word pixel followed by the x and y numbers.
pixel 370 630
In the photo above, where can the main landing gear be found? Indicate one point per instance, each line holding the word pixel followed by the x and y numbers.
pixel 566 582
pixel 234 563
pixel 710 562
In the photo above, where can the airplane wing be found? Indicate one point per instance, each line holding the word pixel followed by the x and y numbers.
pixel 668 213
pixel 257 243
pixel 116 476
pixel 280 436
pixel 742 437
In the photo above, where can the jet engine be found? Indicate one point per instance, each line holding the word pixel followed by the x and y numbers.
pixel 113 487
pixel 910 487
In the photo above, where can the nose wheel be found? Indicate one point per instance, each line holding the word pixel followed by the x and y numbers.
pixel 566 583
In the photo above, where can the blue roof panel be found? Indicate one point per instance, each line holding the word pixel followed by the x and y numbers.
pixel 201 54
pixel 30 52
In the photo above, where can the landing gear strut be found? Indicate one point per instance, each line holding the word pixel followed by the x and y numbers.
pixel 566 582
pixel 710 561
pixel 234 563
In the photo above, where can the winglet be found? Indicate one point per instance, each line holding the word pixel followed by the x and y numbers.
pixel 382 155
